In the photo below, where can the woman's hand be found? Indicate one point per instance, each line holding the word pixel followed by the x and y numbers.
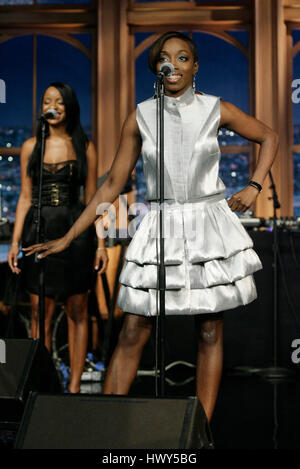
pixel 241 201
pixel 101 255
pixel 12 259
pixel 51 247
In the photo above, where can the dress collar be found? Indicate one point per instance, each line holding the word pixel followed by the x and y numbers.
pixel 183 100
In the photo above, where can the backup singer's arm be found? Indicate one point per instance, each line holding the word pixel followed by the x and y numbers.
pixel 23 205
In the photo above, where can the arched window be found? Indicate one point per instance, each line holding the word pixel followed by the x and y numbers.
pixel 31 63
pixel 16 55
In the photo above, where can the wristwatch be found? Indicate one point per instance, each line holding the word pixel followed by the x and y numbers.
pixel 255 184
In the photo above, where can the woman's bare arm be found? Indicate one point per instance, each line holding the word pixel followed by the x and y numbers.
pixel 123 164
pixel 254 130
pixel 23 204
pixel 101 257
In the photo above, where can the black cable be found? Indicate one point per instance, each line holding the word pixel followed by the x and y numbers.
pixel 292 246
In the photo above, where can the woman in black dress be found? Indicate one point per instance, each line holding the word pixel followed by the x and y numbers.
pixel 70 162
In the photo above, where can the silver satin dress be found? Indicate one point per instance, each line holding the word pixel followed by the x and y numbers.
pixel 208 253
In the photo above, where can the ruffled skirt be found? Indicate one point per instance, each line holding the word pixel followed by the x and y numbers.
pixel 208 256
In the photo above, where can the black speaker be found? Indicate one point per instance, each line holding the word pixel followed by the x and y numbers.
pixel 114 422
pixel 25 366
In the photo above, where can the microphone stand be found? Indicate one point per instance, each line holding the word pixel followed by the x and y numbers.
pixel 40 262
pixel 159 86
pixel 274 372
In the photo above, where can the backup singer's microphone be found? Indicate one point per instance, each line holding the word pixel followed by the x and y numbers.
pixel 166 70
pixel 50 114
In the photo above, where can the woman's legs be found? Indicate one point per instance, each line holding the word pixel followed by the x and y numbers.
pixel 76 310
pixel 125 360
pixel 136 331
pixel 49 308
pixel 209 359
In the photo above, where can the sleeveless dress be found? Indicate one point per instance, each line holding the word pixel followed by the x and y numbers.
pixel 208 253
pixel 68 272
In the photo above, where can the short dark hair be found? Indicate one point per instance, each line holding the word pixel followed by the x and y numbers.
pixel 156 47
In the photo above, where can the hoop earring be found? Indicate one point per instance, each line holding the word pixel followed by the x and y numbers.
pixel 194 84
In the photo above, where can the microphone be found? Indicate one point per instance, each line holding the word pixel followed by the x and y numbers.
pixel 50 114
pixel 166 69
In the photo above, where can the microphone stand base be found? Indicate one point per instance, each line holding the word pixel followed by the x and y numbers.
pixel 272 373
pixel 275 372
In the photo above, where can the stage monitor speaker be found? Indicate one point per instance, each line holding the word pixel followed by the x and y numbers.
pixel 25 366
pixel 112 422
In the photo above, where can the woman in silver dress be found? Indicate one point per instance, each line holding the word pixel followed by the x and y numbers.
pixel 208 269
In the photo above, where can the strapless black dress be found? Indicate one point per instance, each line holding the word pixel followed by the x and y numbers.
pixel 68 272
